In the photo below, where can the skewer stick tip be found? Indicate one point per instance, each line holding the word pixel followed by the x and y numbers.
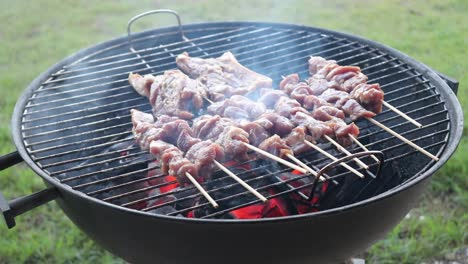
pixel 275 158
pixel 351 169
pixel 201 190
pixel 241 182
pixel 402 138
pixel 405 116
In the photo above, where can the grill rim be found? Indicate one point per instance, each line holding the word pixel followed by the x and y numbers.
pixel 447 94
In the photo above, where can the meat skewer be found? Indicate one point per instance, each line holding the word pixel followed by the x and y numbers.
pixel 240 103
pixel 347 78
pixel 201 190
pixel 168 128
pixel 341 99
pixel 340 148
pixel 334 158
pixel 301 114
pixel 363 147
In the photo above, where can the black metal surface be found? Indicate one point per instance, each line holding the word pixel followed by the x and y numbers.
pixel 10 159
pixel 72 124
pixel 21 205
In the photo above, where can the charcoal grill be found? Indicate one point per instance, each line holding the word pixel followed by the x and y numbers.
pixel 72 127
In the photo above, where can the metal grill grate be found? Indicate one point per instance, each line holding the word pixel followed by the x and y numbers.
pixel 77 127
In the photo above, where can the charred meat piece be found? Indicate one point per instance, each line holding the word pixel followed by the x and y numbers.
pixel 224 132
pixel 343 131
pixel 312 102
pixel 237 107
pixel 203 154
pixel 142 84
pixel 257 133
pixel 327 113
pixel 289 82
pixel 355 110
pixel 316 129
pixel 288 107
pixel 223 76
pixel 169 129
pixel 296 139
pixel 276 146
pixel 172 160
pixel 269 97
pixel 232 140
pixel 320 67
pixel 275 123
pixel 176 94
pixel 369 95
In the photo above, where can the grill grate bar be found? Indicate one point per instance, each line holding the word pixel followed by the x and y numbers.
pixel 89 101
pixel 165 50
pixel 103 171
pixel 97 163
pixel 156 48
pixel 69 120
pixel 125 133
pixel 78 126
pixel 136 172
pixel 405 123
pixel 293 53
pixel 184 48
pixel 75 135
pixel 84 149
pixel 86 110
pixel 136 70
pixel 383 70
pixel 88 157
pixel 70 97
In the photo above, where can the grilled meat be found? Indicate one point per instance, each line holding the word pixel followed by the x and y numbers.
pixel 223 76
pixel 173 93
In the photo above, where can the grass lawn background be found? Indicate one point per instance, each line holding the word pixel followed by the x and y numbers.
pixel 37 34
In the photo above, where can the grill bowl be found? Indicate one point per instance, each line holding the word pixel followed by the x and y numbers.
pixel 143 237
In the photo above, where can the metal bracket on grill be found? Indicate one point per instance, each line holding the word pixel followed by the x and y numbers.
pixel 330 165
pixel 157 11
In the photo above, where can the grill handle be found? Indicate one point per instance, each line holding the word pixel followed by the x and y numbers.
pixel 10 159
pixel 18 206
pixel 330 165
pixel 451 82
pixel 157 11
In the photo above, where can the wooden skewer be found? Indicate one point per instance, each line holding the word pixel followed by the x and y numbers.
pixel 275 158
pixel 394 109
pixel 241 182
pixel 345 151
pixel 201 190
pixel 423 151
pixel 302 164
pixel 362 146
pixel 334 158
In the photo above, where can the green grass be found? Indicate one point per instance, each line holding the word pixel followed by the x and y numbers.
pixel 37 34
